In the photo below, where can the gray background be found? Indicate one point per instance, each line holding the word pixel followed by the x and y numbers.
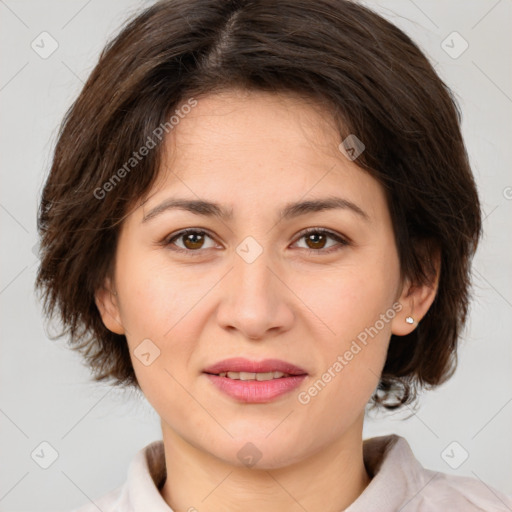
pixel 45 392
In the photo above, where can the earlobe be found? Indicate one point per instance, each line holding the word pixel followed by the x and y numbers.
pixel 416 300
pixel 107 304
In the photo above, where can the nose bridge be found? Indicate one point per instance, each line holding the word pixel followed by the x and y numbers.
pixel 252 278
pixel 254 302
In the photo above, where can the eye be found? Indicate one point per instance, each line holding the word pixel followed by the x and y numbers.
pixel 193 240
pixel 316 238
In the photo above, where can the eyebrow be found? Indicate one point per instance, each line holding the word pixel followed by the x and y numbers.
pixel 290 210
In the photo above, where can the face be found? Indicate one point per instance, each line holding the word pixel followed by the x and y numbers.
pixel 316 288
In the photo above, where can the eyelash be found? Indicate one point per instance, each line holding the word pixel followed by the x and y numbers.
pixel 341 241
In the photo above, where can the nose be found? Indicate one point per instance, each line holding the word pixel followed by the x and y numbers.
pixel 255 299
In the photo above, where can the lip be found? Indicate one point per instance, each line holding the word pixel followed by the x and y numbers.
pixel 240 364
pixel 254 391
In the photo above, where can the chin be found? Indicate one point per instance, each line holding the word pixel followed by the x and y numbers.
pixel 256 449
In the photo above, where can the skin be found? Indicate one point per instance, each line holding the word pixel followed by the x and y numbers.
pixel 253 152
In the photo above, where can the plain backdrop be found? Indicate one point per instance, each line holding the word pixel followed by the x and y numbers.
pixel 46 394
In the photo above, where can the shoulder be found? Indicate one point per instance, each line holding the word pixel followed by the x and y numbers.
pixel 114 501
pixel 400 481
pixel 451 492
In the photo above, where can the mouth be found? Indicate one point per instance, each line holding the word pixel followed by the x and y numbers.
pixel 255 381
pixel 260 376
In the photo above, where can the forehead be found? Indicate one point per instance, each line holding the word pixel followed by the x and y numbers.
pixel 240 147
pixel 242 121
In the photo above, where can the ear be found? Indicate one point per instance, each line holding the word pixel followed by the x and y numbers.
pixel 107 304
pixel 416 299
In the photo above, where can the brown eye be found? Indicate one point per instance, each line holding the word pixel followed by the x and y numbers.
pixel 316 240
pixel 191 241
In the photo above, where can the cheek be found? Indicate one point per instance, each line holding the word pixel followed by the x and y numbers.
pixel 168 305
pixel 357 305
pixel 352 299
pixel 352 360
pixel 156 295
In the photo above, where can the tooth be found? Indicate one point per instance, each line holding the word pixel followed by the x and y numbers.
pixel 265 376
pixel 253 376
pixel 247 376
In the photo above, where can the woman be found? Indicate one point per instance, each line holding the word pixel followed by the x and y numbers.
pixel 262 215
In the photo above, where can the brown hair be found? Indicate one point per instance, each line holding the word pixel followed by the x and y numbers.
pixel 378 85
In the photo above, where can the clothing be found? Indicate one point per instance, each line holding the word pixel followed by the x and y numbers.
pixel 399 483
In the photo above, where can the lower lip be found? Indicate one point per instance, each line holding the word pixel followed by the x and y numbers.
pixel 254 391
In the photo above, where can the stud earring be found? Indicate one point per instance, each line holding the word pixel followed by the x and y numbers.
pixel 409 319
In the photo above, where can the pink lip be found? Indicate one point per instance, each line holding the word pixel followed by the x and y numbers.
pixel 253 391
pixel 240 364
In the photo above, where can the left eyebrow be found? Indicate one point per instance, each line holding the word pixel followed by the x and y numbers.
pixel 290 210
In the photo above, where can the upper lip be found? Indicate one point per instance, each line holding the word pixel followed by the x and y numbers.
pixel 240 364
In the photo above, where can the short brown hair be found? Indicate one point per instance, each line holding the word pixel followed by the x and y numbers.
pixel 378 85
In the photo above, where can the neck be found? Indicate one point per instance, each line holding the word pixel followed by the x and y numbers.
pixel 328 480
